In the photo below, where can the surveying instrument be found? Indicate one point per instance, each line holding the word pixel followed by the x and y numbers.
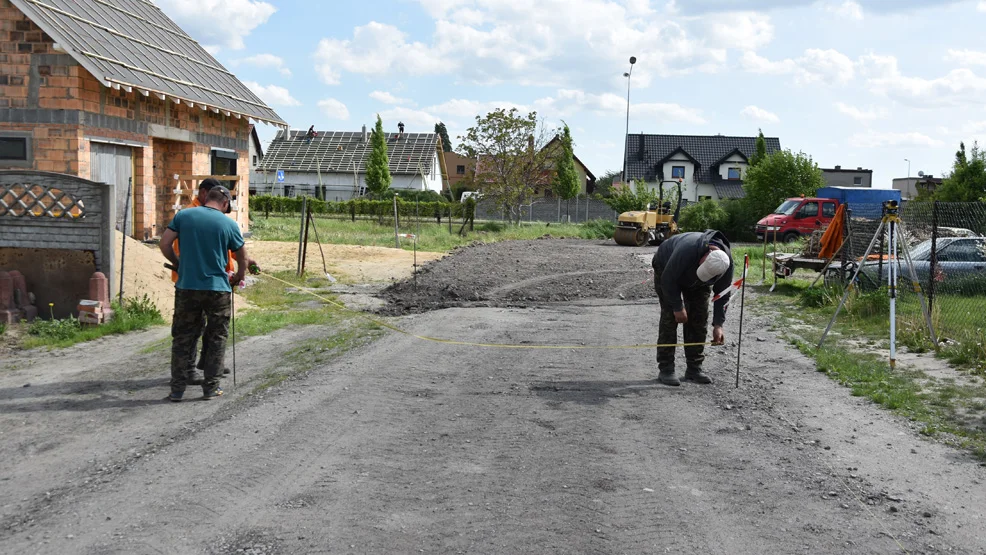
pixel 895 232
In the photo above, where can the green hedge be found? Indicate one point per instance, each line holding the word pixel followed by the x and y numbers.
pixel 363 207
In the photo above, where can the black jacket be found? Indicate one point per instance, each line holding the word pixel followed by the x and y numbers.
pixel 677 262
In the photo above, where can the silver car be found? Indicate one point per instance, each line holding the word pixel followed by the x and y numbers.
pixel 957 257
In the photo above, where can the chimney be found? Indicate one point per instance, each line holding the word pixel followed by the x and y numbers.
pixel 859 168
pixel 364 133
pixel 838 167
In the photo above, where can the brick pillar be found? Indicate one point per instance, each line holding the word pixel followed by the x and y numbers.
pixel 8 312
pixel 22 301
pixel 99 289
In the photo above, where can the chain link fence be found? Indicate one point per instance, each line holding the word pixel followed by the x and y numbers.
pixel 947 245
pixel 576 210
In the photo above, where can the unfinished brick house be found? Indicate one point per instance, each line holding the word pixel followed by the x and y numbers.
pixel 115 92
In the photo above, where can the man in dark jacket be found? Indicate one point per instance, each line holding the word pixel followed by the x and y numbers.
pixel 687 268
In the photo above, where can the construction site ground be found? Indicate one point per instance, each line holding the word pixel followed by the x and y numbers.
pixel 513 413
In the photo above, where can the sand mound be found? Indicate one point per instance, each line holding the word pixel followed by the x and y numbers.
pixel 144 273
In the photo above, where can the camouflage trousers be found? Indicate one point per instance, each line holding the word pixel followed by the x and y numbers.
pixel 694 331
pixel 195 310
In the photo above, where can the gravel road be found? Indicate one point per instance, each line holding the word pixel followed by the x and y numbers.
pixel 411 445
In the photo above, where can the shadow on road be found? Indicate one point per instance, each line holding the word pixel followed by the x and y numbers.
pixel 82 396
pixel 592 392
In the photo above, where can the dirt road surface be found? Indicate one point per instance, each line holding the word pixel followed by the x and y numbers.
pixel 409 445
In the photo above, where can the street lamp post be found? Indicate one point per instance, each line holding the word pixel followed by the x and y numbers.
pixel 908 167
pixel 626 136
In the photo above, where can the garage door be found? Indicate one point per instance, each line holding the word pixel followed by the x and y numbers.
pixel 113 164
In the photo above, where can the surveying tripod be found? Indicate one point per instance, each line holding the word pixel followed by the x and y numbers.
pixel 891 221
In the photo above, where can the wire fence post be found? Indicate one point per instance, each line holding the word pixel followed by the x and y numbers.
pixel 933 266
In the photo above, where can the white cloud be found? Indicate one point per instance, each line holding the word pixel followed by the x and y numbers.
pixel 272 94
pixel 546 43
pixel 982 6
pixel 848 9
pixel 568 102
pixel 959 87
pixel 416 121
pixel 815 66
pixel 966 57
pixel 265 61
pixel 458 107
pixel 376 49
pixel 861 115
pixel 333 109
pixel 198 18
pixel 759 114
pixel 877 139
pixel 387 98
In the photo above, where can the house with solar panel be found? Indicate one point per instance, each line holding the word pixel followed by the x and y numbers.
pixel 331 165
pixel 709 166
pixel 115 92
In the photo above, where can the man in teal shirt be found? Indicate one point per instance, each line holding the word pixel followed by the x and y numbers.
pixel 203 293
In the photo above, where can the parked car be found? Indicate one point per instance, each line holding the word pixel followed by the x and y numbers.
pixel 958 257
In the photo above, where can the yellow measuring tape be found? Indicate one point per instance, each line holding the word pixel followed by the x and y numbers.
pixel 469 343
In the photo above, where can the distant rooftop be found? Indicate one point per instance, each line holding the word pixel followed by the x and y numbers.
pixel 644 152
pixel 347 151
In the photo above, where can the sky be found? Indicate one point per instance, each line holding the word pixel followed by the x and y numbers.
pixel 856 83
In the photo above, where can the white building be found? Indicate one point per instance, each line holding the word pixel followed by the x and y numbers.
pixel 332 165
pixel 709 166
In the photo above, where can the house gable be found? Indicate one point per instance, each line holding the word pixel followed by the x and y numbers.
pixel 648 154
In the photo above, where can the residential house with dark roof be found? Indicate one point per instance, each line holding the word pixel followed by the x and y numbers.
pixel 332 164
pixel 114 91
pixel 709 166
pixel 587 180
pixel 847 177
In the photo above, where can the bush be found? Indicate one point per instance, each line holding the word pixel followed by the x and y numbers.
pixel 56 330
pixel 625 200
pixel 819 297
pixel 598 229
pixel 142 310
pixel 707 214
pixel 3 328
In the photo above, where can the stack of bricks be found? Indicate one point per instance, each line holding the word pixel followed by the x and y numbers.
pixel 96 310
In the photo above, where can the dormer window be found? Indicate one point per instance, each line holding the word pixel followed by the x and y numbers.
pixel 734 173
pixel 677 172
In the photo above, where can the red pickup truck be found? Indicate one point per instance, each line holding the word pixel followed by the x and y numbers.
pixel 797 217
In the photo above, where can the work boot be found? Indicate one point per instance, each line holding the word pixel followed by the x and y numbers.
pixel 667 377
pixel 693 375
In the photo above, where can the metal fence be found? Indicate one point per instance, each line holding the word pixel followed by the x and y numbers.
pixel 947 242
pixel 576 210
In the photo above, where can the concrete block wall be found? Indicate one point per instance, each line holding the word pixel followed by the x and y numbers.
pixel 45 248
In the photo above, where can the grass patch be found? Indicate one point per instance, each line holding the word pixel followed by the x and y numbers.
pixel 312 353
pixel 947 412
pixel 431 237
pixel 136 314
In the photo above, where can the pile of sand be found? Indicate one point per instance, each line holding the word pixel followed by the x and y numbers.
pixel 144 273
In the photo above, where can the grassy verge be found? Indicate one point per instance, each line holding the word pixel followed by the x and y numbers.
pixel 853 356
pixel 136 314
pixel 431 236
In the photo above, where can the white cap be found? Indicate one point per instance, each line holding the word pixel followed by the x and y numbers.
pixel 716 264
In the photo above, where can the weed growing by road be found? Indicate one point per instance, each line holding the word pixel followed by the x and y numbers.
pixel 136 314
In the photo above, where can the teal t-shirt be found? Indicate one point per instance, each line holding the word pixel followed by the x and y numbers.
pixel 204 237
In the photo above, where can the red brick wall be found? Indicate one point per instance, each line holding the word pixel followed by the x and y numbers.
pixel 64 148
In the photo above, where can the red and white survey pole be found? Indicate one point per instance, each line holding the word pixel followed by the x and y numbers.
pixel 742 288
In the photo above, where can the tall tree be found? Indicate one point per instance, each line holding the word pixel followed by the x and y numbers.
pixel 967 182
pixel 443 133
pixel 761 150
pixel 780 175
pixel 566 179
pixel 604 185
pixel 510 158
pixel 378 166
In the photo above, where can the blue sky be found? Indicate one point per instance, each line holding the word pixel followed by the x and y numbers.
pixel 851 82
